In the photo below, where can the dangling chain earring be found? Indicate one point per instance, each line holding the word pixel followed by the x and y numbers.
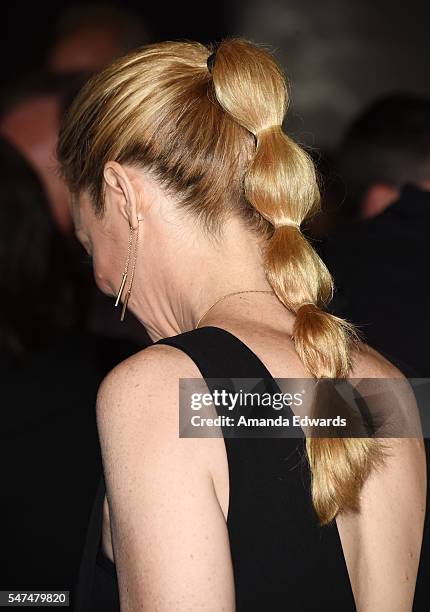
pixel 125 273
pixel 127 263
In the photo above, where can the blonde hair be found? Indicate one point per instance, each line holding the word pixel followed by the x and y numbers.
pixel 213 139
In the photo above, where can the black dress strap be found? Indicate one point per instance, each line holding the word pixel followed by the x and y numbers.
pixel 228 365
pixel 219 353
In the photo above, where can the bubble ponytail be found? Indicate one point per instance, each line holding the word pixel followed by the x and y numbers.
pixel 281 185
pixel 155 109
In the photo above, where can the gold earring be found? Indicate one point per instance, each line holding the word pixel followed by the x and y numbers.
pixel 127 263
pixel 125 273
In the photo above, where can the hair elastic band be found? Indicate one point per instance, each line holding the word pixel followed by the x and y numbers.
pixel 270 128
pixel 287 223
pixel 306 304
pixel 210 62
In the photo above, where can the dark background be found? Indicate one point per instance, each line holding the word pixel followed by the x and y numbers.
pixel 338 54
pixel 29 27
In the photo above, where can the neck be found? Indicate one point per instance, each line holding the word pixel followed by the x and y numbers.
pixel 231 295
pixel 175 288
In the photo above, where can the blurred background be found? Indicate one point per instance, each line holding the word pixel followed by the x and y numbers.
pixel 360 104
pixel 339 54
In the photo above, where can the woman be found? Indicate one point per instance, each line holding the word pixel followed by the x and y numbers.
pixel 190 197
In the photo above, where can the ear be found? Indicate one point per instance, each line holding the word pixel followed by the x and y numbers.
pixel 377 198
pixel 120 191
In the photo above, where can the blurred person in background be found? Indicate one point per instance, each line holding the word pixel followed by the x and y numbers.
pixel 380 258
pixel 86 38
pixel 30 115
pixel 90 36
pixel 49 374
pixel 48 304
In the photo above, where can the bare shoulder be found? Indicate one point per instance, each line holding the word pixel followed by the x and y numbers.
pixel 368 363
pixel 145 381
pixel 167 517
pixel 138 419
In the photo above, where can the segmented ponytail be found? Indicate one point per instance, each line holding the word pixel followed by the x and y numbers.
pixel 211 135
pixel 281 185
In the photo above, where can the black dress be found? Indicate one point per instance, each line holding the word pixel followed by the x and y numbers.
pixel 282 558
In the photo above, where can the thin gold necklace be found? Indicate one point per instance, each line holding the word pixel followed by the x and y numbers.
pixel 226 296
